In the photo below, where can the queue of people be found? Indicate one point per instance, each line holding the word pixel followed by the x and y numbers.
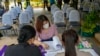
pixel 31 38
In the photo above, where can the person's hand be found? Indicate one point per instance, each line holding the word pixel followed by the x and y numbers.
pixel 38 43
pixel 45 46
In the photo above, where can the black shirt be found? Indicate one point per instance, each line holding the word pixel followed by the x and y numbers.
pixel 22 50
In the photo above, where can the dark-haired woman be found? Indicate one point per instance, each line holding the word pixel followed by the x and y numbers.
pixel 70 39
pixel 25 46
pixel 45 30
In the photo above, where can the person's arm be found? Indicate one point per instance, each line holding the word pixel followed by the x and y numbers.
pixel 55 30
pixel 38 43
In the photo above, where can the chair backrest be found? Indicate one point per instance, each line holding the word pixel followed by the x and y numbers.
pixel 54 10
pixel 13 13
pixel 74 16
pixel 30 8
pixel 64 8
pixel 59 17
pixel 53 6
pixel 29 14
pixel 7 19
pixel 23 18
pixel 95 6
pixel 68 11
pixel 18 9
pixel 86 5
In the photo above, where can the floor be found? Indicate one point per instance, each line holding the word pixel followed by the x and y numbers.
pixel 8 40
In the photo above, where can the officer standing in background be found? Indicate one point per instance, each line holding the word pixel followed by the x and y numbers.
pixel 45 3
pixel 19 3
pixel 66 1
pixel 59 3
pixel 74 4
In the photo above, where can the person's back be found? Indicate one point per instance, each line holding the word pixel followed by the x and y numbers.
pixel 79 53
pixel 70 39
pixel 25 46
pixel 22 50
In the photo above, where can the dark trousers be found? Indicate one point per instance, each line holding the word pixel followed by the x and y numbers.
pixel 59 4
pixel 20 4
pixel 45 4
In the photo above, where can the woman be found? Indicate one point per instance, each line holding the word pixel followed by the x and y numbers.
pixel 45 30
pixel 25 46
pixel 69 40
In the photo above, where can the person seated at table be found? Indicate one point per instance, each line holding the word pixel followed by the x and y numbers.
pixel 70 39
pixel 26 45
pixel 45 30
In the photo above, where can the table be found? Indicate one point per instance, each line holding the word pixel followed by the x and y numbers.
pixel 53 52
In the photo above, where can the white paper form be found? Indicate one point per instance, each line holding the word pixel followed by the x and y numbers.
pixel 91 51
pixel 52 51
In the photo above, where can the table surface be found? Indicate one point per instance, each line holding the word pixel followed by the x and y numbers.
pixel 53 52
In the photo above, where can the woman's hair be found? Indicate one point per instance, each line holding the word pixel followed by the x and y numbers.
pixel 39 22
pixel 70 38
pixel 26 32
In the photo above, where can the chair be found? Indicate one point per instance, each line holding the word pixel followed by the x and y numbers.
pixel 53 7
pixel 59 19
pixel 95 6
pixel 68 11
pixel 74 19
pixel 13 11
pixel 30 8
pixel 64 8
pixel 86 5
pixel 13 16
pixel 18 10
pixel 23 19
pixel 7 19
pixel 7 23
pixel 54 10
pixel 29 15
